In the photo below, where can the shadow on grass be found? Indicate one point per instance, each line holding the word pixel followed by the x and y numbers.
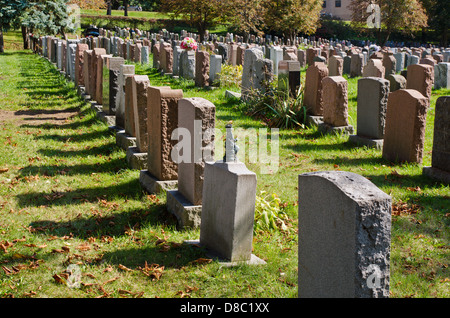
pixel 125 190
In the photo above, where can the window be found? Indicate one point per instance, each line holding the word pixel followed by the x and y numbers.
pixel 338 3
pixel 324 4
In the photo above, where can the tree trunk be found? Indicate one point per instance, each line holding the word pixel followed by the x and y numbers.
pixel 125 7
pixel 444 37
pixel 25 37
pixel 2 49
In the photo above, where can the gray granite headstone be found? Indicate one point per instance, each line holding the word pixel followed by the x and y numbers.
pixel 344 240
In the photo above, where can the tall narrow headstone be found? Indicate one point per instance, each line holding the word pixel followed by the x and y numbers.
pixel 344 240
pixel 313 99
pixel 421 78
pixel 335 105
pixel 196 119
pixel 201 68
pixel 404 134
pixel 440 156
pixel 372 100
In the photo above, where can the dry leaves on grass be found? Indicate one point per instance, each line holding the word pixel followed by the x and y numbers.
pixel 402 208
pixel 154 271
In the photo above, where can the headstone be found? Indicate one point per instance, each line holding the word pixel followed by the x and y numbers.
pixel 87 70
pixel 163 112
pixel 310 54
pixel 356 64
pixel 313 99
pixel 421 78
pixel 228 208
pixel 440 156
pixel 389 63
pixel 289 77
pixel 130 128
pixel 347 62
pixel 400 61
pixel 256 72
pixel 187 64
pixel 374 68
pixel 301 55
pixel 79 62
pixel 442 75
pixel 371 112
pixel 201 68
pixel 215 67
pixel 396 82
pixel 196 116
pixel 344 240
pixel 124 72
pixel 176 60
pixel 335 105
pixel 335 65
pixel 404 134
pixel 276 55
pixel 145 52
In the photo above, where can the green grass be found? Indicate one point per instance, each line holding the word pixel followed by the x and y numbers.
pixel 68 185
pixel 135 14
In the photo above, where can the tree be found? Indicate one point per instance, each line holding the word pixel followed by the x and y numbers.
pixel 291 17
pixel 10 11
pixel 201 14
pixel 405 15
pixel 246 16
pixel 438 12
pixel 48 17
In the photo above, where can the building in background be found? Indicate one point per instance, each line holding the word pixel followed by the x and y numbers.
pixel 337 9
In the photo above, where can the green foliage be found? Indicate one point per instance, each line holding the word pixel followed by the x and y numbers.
pixel 10 10
pixel 277 108
pixel 49 17
pixel 230 76
pixel 269 214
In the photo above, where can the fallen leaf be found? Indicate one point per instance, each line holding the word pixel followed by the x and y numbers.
pixel 58 279
pixel 84 247
pixel 124 268
pixel 2 170
pixel 201 261
pixel 111 280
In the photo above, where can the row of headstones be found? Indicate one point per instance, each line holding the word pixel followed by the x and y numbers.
pixel 228 189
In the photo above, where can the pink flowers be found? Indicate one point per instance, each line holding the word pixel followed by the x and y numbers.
pixel 188 43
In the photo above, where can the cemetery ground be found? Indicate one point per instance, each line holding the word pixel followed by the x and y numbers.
pixel 67 196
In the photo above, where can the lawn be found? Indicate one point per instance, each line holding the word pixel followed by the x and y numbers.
pixel 67 196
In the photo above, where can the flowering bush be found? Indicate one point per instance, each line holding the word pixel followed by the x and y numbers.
pixel 188 43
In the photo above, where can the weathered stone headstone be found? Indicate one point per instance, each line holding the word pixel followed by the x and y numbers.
pixel 79 62
pixel 301 55
pixel 256 72
pixel 163 112
pixel 335 65
pixel 196 118
pixel 374 68
pixel 356 64
pixel 440 157
pixel 372 100
pixel 215 66
pixel 344 240
pixel 201 68
pixel 335 105
pixel 396 81
pixel 311 53
pixel 187 64
pixel 421 78
pixel 442 75
pixel 313 98
pixel 389 63
pixel 404 134
pixel 87 70
pixel 124 71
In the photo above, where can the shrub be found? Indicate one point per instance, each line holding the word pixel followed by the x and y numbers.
pixel 277 108
pixel 269 213
pixel 230 76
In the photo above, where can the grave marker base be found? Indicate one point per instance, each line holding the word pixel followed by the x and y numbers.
pixel 366 141
pixel 313 121
pixel 187 214
pixel 328 129
pixel 124 140
pixel 153 185
pixel 136 160
pixel 437 174
pixel 254 260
